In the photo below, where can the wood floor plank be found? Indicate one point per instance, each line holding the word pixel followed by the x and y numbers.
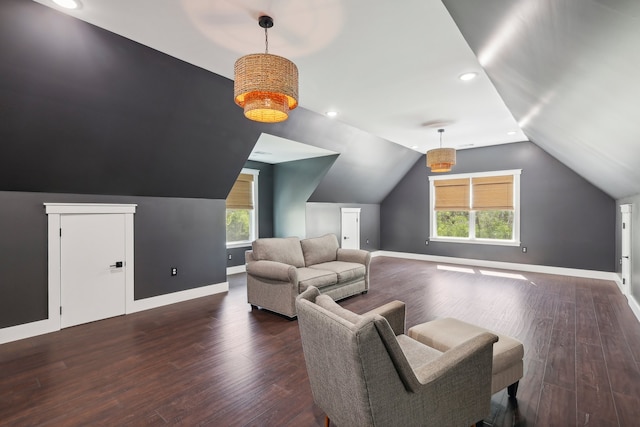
pixel 215 361
pixel 628 409
pixel 622 370
pixel 594 398
pixel 557 407
pixel 560 368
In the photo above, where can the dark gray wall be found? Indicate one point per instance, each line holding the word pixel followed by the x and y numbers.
pixel 293 184
pixel 324 218
pixel 565 221
pixel 85 111
pixel 635 242
pixel 169 232
pixel 265 210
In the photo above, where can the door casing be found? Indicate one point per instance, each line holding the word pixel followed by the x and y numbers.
pixel 350 225
pixel 54 212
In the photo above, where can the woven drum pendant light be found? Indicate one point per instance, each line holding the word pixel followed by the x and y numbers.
pixel 441 159
pixel 265 85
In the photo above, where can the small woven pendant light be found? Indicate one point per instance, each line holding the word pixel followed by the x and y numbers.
pixel 265 85
pixel 441 159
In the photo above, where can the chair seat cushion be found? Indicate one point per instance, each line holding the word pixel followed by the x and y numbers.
pixel 346 271
pixel 315 277
pixel 417 354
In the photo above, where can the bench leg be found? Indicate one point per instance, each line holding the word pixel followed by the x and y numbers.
pixel 513 389
pixel 327 422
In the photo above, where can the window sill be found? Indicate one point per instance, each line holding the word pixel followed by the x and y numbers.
pixel 476 241
pixel 245 244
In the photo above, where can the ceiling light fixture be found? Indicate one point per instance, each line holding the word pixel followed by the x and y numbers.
pixel 332 113
pixel 68 4
pixel 265 85
pixel 441 159
pixel 511 132
pixel 468 76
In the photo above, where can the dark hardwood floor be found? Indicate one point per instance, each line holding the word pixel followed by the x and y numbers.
pixel 213 361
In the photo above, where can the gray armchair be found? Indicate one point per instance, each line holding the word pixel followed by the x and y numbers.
pixel 364 371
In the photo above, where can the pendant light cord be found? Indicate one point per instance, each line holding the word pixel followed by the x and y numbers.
pixel 266 41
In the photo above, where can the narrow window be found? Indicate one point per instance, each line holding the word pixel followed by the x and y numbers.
pixel 242 209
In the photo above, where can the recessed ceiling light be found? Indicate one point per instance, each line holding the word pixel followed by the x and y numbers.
pixel 414 146
pixel 511 132
pixel 468 76
pixel 68 4
pixel 332 113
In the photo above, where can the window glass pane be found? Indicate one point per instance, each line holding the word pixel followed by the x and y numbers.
pixel 452 223
pixel 494 225
pixel 238 225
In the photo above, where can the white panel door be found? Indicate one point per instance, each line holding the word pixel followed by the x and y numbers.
pixel 92 267
pixel 626 248
pixel 350 228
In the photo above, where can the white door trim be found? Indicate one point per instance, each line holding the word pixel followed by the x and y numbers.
pixel 54 211
pixel 626 237
pixel 342 235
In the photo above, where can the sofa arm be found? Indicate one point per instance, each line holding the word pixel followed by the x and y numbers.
pixel 394 312
pixel 354 255
pixel 273 270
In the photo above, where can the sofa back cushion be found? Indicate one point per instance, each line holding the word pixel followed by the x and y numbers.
pixel 320 249
pixel 285 250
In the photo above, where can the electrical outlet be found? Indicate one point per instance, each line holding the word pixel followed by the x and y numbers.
pixel 426 242
pixel 524 249
pixel 367 241
pixel 174 271
pixel 229 256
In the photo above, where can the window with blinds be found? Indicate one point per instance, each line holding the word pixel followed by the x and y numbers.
pixel 241 194
pixel 479 208
pixel 242 224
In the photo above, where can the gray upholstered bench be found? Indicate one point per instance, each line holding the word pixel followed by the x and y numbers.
pixel 446 333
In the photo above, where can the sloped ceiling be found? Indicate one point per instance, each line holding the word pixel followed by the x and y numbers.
pixel 566 71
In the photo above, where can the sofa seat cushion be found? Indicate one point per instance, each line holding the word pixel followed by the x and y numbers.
pixel 346 271
pixel 315 277
pixel 284 250
pixel 317 250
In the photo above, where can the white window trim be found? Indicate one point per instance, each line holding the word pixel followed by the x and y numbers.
pixel 516 204
pixel 254 214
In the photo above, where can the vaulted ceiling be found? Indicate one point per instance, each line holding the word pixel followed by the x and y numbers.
pixel 565 69
pixel 558 73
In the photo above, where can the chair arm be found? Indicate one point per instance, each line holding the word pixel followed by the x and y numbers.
pixel 394 312
pixel 472 361
pixel 354 255
pixel 273 270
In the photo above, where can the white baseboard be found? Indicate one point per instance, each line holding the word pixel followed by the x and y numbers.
pixel 635 307
pixel 180 296
pixel 236 269
pixel 27 330
pixel 561 271
pixel 40 327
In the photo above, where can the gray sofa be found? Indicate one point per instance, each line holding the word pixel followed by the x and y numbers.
pixel 279 269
